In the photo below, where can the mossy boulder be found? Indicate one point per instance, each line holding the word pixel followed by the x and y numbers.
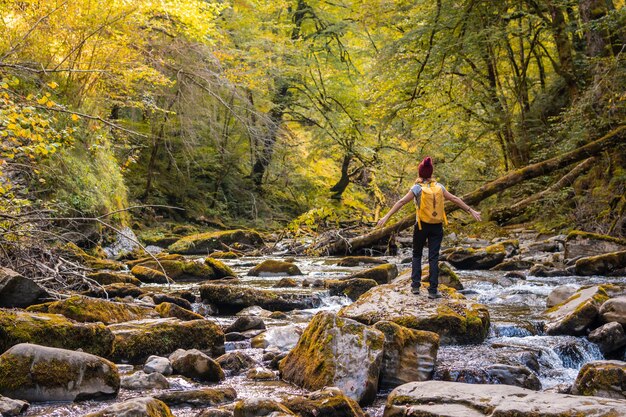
pixel 327 402
pixel 182 270
pixel 340 352
pixel 447 276
pixel 204 243
pixel 286 282
pixel 53 330
pixel 455 399
pixel 485 258
pixel 259 407
pixel 88 309
pixel 236 362
pixel 116 291
pixel 609 337
pixel 575 315
pixel 604 264
pixel 149 275
pixel 221 270
pixel 106 278
pixel 230 299
pixel 455 319
pixel 382 274
pixel 10 407
pixel 409 355
pixel 173 310
pixel 91 261
pixel 18 291
pixel 142 381
pixel 602 379
pixel 196 365
pixel 352 288
pixel 135 407
pixel 224 255
pixel 161 257
pixel 40 373
pixel 201 397
pixel 137 340
pixel 584 244
pixel 270 267
pixel 359 260
pixel 614 310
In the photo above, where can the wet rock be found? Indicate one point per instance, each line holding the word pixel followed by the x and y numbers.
pixel 235 337
pixel 603 264
pixel 179 270
pixel 328 402
pixel 140 381
pixel 224 255
pixel 317 283
pixel 278 315
pixel 453 318
pixel 235 362
pixel 116 291
pixel 271 267
pixel 513 265
pixel 203 397
pixel 614 310
pixel 221 270
pixel 258 407
pixel 135 407
pixel 135 341
pixel 170 298
pixel 519 376
pixel 559 295
pixel 204 243
pixel 173 310
pixel 10 407
pixel 125 369
pixel 106 278
pixel 454 399
pixel 583 244
pixel 609 337
pixel 352 288
pixel 282 338
pixel 541 270
pixel 38 373
pixel 215 412
pixel 515 275
pixel 158 364
pixel 149 275
pixel 91 261
pixel 88 309
pixel 409 355
pixel 231 299
pixel 196 365
pixel 254 311
pixel 244 323
pixel 18 291
pixel 286 283
pixel 335 351
pixel 466 258
pixel 359 260
pixel 577 313
pixel 261 374
pixel 382 274
pixel 602 379
pixel 53 330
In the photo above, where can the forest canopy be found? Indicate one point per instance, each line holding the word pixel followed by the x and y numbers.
pixel 304 112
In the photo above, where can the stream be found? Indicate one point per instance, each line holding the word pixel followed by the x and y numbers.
pixel 515 308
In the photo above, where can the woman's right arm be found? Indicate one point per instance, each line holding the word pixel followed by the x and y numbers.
pixel 399 204
pixel 456 200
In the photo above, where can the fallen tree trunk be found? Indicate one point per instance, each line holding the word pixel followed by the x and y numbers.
pixel 504 214
pixel 344 246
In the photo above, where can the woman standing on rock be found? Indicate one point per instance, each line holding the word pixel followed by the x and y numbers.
pixel 429 198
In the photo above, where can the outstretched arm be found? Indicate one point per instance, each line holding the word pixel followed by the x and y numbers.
pixel 456 200
pixel 399 204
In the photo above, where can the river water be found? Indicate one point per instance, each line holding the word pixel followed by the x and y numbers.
pixel 515 308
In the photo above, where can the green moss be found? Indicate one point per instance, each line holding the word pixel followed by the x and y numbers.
pixel 106 278
pixel 595 236
pixel 91 261
pixel 206 242
pixel 271 266
pixel 221 269
pixel 224 255
pixel 173 310
pixel 14 372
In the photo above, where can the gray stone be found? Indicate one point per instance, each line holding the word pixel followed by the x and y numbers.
pixel 18 291
pixel 159 365
pixel 10 407
pixel 196 365
pixel 609 337
pixel 577 313
pixel 201 397
pixel 142 381
pixel 454 399
pixel 614 310
pixel 235 362
pixel 282 338
pixel 559 295
pixel 39 373
pixel 244 323
pixel 135 407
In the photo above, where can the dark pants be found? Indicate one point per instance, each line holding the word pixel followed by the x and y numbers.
pixel 434 234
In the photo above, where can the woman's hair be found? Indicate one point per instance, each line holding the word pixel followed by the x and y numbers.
pixel 425 169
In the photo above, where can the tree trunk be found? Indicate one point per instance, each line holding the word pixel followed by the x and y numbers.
pixel 596 42
pixel 342 246
pixel 505 214
pixel 344 181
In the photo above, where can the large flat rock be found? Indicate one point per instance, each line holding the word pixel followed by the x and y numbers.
pixel 455 319
pixel 454 399
pixel 575 315
pixel 230 299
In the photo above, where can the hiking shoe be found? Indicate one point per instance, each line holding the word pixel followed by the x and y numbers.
pixel 434 295
pixel 415 290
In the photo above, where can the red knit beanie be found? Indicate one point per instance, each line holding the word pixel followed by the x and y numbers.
pixel 426 168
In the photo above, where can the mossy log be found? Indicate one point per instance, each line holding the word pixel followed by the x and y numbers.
pixel 504 214
pixel 344 247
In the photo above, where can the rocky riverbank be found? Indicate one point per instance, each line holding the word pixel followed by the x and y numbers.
pixel 250 335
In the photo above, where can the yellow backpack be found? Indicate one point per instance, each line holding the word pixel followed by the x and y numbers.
pixel 431 207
